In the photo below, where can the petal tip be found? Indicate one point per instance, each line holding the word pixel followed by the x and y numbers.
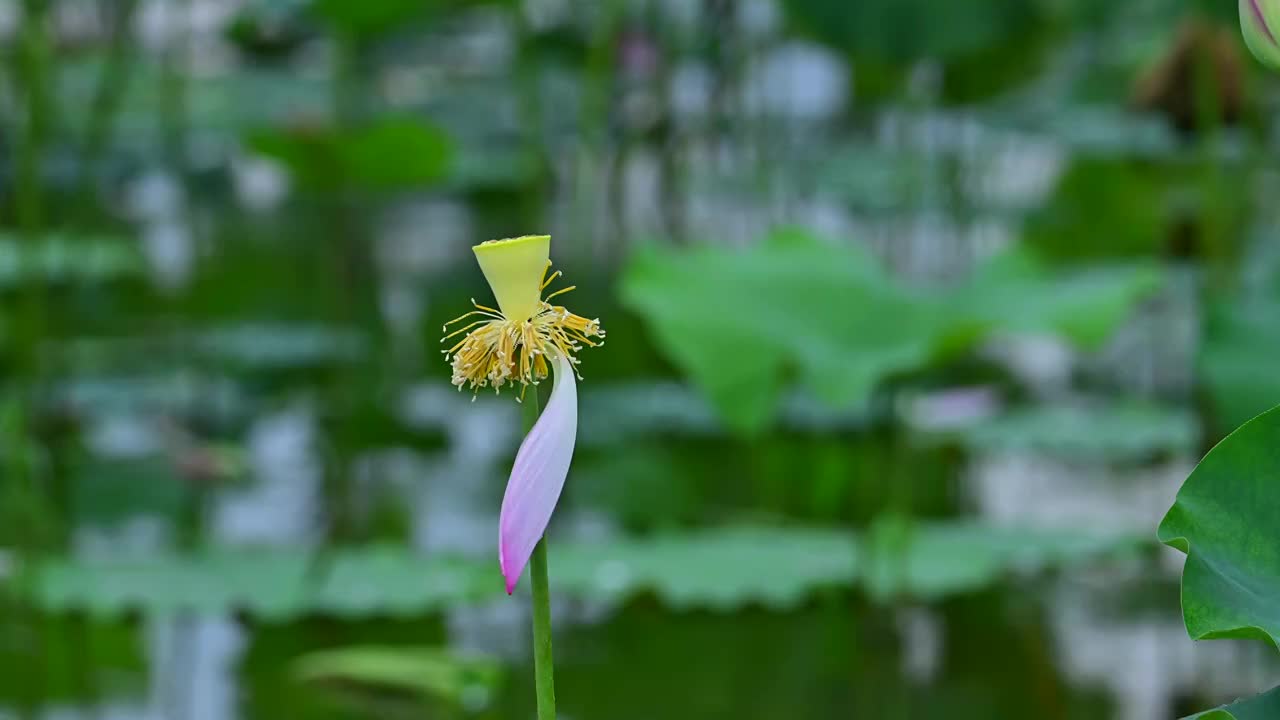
pixel 510 570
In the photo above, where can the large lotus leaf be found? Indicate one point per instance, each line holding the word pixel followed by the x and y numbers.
pixel 738 322
pixel 1227 520
pixel 1263 707
pixel 1017 293
pixel 723 569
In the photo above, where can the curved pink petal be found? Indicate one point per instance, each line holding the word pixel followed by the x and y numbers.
pixel 538 476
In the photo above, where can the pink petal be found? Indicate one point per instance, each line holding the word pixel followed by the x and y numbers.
pixel 538 476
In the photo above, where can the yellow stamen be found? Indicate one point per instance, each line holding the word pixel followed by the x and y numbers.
pixel 561 291
pixel 511 345
pixel 463 329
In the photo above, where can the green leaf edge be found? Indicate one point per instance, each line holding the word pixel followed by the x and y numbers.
pixel 1224 712
pixel 1181 543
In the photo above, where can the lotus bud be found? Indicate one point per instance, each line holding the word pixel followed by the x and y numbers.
pixel 1260 22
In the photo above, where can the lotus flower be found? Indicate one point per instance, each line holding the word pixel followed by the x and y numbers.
pixel 1260 22
pixel 523 341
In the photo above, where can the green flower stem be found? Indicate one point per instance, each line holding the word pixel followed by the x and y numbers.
pixel 543 665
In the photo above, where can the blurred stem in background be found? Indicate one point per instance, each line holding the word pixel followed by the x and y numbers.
pixel 343 101
pixel 32 76
pixel 175 125
pixel 667 135
pixel 543 663
pixel 726 55
pixel 105 106
pixel 598 84
pixel 32 81
pixel 350 276
pixel 36 438
pixel 24 529
pixel 173 89
pixel 1210 110
pixel 532 118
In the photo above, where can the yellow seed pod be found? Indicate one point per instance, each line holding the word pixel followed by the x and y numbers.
pixel 515 269
pixel 1260 21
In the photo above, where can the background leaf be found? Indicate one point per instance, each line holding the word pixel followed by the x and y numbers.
pixel 739 321
pixel 68 259
pixel 429 673
pixel 1237 360
pixel 734 321
pixel 391 154
pixel 934 560
pixel 1018 294
pixel 724 569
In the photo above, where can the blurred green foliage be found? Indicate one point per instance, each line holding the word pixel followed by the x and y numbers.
pixel 984 46
pixel 833 316
pixel 81 657
pixel 210 221
pixel 1132 432
pixel 1240 339
pixel 701 570
pixel 1114 208
pixel 370 19
pixel 394 153
pixel 67 260
pixel 424 674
